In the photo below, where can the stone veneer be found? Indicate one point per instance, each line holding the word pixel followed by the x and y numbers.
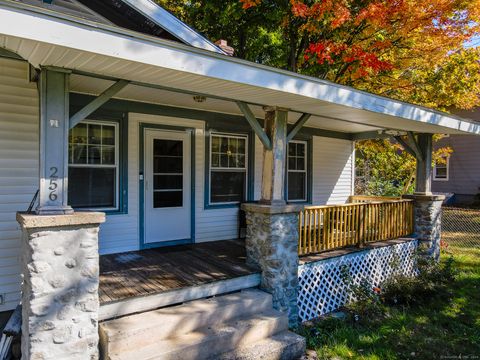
pixel 272 245
pixel 60 264
pixel 428 221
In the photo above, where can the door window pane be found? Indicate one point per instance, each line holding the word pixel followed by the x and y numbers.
pixel 168 182
pixel 167 173
pixel 163 199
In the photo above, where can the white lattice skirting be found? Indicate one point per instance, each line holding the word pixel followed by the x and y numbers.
pixel 322 290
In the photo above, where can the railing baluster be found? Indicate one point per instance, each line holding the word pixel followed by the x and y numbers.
pixel 333 226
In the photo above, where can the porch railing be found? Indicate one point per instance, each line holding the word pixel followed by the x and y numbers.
pixel 335 226
pixel 368 199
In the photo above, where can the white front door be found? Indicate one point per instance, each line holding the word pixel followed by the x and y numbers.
pixel 167 186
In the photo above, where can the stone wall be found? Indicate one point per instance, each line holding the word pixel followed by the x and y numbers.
pixel 60 303
pixel 428 222
pixel 272 245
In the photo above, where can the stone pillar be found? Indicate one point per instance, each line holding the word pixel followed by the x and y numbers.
pixel 427 222
pixel 60 264
pixel 272 245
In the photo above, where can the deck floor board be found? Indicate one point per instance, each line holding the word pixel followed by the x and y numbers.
pixel 145 272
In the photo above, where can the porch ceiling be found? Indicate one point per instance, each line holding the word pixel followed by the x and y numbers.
pixel 51 40
pixel 94 86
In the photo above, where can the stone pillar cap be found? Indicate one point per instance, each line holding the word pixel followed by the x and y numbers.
pixel 425 197
pixel 51 221
pixel 271 209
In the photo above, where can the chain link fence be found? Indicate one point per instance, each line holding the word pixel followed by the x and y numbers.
pixel 460 229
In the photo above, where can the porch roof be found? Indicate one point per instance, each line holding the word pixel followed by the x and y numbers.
pixel 110 52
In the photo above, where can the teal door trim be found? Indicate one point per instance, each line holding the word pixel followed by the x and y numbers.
pixel 141 174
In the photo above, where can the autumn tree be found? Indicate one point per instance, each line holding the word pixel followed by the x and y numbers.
pixel 405 49
pixel 384 168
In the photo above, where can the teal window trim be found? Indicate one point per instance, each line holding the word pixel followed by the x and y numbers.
pixel 250 167
pixel 122 151
pixel 141 169
pixel 309 151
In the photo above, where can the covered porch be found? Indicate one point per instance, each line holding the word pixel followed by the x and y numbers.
pixel 186 96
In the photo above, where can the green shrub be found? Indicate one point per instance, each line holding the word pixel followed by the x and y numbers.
pixel 365 302
pixel 432 280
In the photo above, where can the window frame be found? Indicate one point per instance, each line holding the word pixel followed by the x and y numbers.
pixel 447 170
pixel 118 198
pixel 306 171
pixel 245 170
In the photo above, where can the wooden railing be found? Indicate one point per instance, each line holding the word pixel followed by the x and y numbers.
pixel 335 226
pixel 368 199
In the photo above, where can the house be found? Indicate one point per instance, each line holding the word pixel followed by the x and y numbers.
pixel 145 141
pixel 460 174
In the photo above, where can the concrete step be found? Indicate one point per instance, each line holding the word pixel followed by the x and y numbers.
pixel 142 329
pixel 209 342
pixel 283 346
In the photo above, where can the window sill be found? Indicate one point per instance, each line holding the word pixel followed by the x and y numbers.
pixel 297 202
pixel 221 206
pixel 106 212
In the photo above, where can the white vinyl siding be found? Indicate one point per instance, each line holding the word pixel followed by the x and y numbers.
pixel 333 169
pixel 18 168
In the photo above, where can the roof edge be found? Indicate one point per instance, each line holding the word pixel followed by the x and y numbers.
pixel 172 24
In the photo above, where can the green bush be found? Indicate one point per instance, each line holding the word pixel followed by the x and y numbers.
pixel 365 298
pixel 432 280
pixel 369 302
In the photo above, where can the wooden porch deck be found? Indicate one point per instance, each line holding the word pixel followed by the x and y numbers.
pixel 154 271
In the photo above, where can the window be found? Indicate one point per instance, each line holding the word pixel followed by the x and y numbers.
pixel 297 171
pixel 167 173
pixel 93 166
pixel 228 168
pixel 440 170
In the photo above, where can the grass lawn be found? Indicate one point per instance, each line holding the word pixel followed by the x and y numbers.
pixel 441 328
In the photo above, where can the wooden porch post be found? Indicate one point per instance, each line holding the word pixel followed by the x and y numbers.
pixel 427 207
pixel 424 165
pixel 54 126
pixel 274 158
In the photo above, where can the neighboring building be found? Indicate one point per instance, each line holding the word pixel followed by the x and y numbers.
pixel 128 121
pixel 460 175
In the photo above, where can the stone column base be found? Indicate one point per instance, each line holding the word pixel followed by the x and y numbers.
pixel 60 264
pixel 428 222
pixel 272 245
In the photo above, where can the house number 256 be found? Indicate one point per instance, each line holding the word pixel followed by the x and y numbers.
pixel 53 184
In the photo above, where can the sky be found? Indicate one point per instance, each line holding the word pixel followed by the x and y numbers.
pixel 475 42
